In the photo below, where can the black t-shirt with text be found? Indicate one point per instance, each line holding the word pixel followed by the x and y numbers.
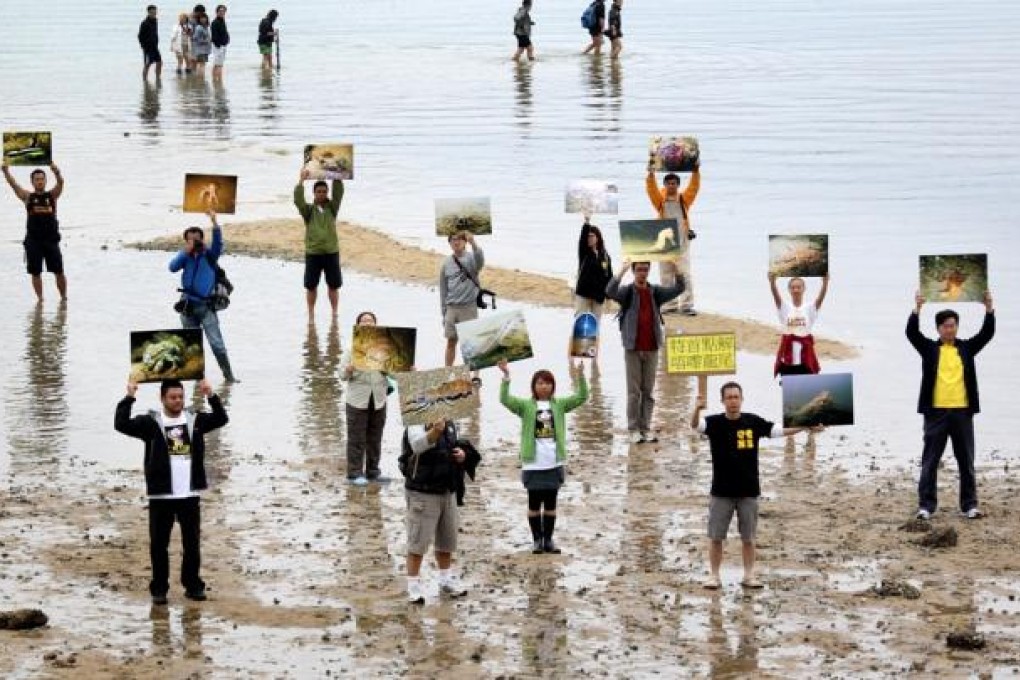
pixel 42 217
pixel 734 446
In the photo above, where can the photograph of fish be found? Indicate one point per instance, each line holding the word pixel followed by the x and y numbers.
pixel 821 399
pixel 383 348
pixel 650 240
pixel 486 340
pixel 585 337
pixel 329 161
pixel 218 192
pixel 954 278
pixel 592 197
pixel 473 215
pixel 427 396
pixel 799 254
pixel 28 148
pixel 674 154
pixel 160 355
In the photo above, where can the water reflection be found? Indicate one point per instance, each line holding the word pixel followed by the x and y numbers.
pixel 36 410
pixel 522 94
pixel 191 627
pixel 615 94
pixel 269 100
pixel 319 424
pixel 544 633
pixel 742 661
pixel 221 107
pixel 148 109
pixel 593 422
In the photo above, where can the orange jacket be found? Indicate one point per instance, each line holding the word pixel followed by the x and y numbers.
pixel 658 196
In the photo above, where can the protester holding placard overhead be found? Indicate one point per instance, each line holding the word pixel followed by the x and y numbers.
pixel 948 402
pixel 322 245
pixel 42 230
pixel 594 270
pixel 733 438
pixel 671 203
pixel 796 354
pixel 641 330
pixel 543 446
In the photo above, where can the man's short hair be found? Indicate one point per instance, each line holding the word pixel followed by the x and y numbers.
pixel 168 385
pixel 37 171
pixel 199 9
pixel 945 315
pixel 728 386
pixel 633 265
pixel 219 7
pixel 320 183
pixel 150 8
pixel 192 230
pixel 671 177
pixel 273 14
pixel 456 234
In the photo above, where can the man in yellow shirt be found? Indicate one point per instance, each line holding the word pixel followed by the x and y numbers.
pixel 948 401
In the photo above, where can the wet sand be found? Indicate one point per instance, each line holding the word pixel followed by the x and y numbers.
pixel 376 254
pixel 304 576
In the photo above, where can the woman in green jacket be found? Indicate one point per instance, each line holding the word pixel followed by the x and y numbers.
pixel 543 446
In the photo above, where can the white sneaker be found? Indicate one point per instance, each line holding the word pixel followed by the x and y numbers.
pixel 414 592
pixel 636 438
pixel 649 437
pixel 452 586
pixel 973 513
pixel 923 514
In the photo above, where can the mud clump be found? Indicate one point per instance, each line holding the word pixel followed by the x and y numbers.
pixel 916 526
pixel 23 619
pixel 893 588
pixel 939 538
pixel 965 639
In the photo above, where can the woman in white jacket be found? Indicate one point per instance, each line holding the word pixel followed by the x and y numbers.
pixel 180 43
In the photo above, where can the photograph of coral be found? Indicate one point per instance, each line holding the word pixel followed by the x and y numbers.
pixel 486 340
pixel 954 278
pixel 592 196
pixel 383 348
pixel 167 354
pixel 427 396
pixel 674 154
pixel 799 254
pixel 820 399
pixel 473 215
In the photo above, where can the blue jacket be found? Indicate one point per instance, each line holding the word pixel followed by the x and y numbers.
pixel 199 276
pixel 929 351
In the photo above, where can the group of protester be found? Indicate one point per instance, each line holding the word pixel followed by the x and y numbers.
pixel 595 20
pixel 196 40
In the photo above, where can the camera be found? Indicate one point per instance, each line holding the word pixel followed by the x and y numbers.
pixel 480 300
pixel 182 306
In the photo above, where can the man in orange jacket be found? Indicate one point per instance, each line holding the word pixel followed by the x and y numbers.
pixel 671 203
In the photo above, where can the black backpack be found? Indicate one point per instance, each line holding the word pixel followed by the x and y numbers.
pixel 219 298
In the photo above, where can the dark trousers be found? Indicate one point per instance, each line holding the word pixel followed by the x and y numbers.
pixel 162 514
pixel 364 439
pixel 939 426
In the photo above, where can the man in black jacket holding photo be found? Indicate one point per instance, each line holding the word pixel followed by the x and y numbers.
pixel 948 402
pixel 174 477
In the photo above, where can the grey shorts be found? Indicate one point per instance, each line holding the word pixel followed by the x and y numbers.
pixel 456 314
pixel 583 305
pixel 431 518
pixel 720 513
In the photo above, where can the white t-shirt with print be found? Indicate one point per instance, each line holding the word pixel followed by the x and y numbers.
pixel 797 321
pixel 178 444
pixel 545 439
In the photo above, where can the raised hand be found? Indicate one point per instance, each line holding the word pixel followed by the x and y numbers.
pixel 204 388
pixel 918 301
pixel 132 387
pixel 989 307
pixel 504 367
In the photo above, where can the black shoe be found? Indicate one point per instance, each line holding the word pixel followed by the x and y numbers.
pixel 550 547
pixel 196 595
pixel 159 599
pixel 538 547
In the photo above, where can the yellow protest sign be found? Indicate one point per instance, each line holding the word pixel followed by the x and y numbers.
pixel 702 354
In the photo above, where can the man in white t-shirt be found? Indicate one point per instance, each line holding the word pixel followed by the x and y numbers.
pixel 174 476
pixel 796 355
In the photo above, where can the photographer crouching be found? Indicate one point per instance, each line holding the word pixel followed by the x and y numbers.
pixel 197 264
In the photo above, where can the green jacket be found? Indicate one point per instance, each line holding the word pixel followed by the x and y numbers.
pixel 527 410
pixel 320 225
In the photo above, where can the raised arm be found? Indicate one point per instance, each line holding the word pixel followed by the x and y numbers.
pixel 513 404
pixel 580 395
pixel 59 188
pixel 336 196
pixel 914 325
pixel 699 406
pixel 821 294
pixel 18 190
pixel 984 336
pixel 652 188
pixel 299 195
pixel 775 290
pixel 582 242
pixel 442 288
pixel 477 251
pixel 123 422
pixel 216 247
pixel 691 192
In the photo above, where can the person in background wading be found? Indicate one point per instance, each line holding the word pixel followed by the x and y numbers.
pixel 796 354
pixel 543 452
pixel 197 265
pixel 365 405
pixel 594 271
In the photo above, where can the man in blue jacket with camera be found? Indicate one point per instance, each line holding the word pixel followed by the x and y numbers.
pixel 197 264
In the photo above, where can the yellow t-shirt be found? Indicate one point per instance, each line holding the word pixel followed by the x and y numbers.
pixel 950 390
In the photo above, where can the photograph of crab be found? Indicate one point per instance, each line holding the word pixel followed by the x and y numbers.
pixel 329 161
pixel 820 399
pixel 160 355
pixel 954 278
pixel 799 254
pixel 427 396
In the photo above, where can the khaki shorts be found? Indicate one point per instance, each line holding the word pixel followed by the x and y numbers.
pixel 583 305
pixel 456 314
pixel 720 513
pixel 431 517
